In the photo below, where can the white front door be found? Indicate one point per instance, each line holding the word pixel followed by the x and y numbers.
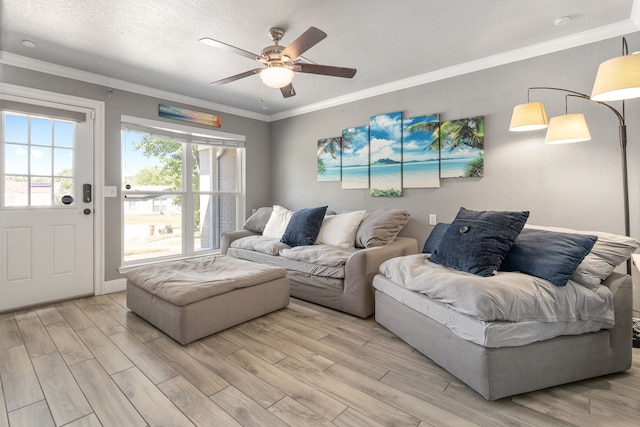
pixel 46 226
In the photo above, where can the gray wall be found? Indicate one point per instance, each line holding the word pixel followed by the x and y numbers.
pixel 575 185
pixel 572 185
pixel 131 104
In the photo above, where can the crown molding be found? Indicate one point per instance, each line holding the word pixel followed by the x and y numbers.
pixel 586 37
pixel 84 76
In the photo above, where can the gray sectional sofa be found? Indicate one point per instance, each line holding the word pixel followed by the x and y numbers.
pixel 336 275
pixel 500 358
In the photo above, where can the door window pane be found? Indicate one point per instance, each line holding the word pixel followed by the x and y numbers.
pixel 17 128
pixel 63 134
pixel 61 187
pixel 40 161
pixel 41 131
pixel 62 162
pixel 16 191
pixel 16 159
pixel 41 191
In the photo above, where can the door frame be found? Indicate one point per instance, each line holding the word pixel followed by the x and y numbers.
pixel 42 97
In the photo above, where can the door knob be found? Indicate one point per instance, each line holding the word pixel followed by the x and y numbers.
pixel 87 211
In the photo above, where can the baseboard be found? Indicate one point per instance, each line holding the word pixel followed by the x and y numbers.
pixel 114 286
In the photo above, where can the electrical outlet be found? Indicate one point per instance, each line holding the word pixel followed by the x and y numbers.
pixel 432 219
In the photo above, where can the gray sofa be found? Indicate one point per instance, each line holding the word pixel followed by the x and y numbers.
pixel 505 371
pixel 336 277
pixel 497 371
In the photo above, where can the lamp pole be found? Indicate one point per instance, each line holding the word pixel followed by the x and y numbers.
pixel 623 151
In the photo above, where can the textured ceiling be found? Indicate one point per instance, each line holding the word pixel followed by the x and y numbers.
pixel 154 43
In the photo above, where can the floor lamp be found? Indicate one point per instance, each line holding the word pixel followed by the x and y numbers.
pixel 617 79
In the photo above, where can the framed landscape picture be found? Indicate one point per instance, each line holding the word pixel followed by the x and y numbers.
pixel 330 159
pixel 355 158
pixel 385 154
pixel 421 152
pixel 462 148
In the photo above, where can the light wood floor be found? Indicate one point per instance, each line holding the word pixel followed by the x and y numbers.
pixel 91 362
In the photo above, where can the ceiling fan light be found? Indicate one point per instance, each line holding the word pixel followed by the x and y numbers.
pixel 276 76
pixel 567 129
pixel 617 79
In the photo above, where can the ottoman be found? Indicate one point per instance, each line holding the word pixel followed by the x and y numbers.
pixel 193 298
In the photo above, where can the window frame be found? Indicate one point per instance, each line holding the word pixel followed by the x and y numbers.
pixel 188 136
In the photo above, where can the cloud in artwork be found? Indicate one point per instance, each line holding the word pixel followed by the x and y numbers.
pixel 383 148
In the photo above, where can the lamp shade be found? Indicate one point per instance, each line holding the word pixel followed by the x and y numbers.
pixel 276 76
pixel 566 129
pixel 529 116
pixel 617 79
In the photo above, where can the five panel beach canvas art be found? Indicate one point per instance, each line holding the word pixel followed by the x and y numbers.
pixel 393 153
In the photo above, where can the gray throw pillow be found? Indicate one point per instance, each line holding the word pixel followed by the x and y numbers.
pixel 380 227
pixel 258 220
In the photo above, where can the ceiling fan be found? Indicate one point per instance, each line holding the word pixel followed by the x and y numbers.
pixel 281 62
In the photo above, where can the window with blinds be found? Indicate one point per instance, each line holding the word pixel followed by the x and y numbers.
pixel 181 189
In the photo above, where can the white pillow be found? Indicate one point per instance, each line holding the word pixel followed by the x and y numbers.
pixel 340 230
pixel 609 251
pixel 278 222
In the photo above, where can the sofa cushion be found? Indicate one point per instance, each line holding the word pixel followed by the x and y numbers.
pixel 548 255
pixel 340 230
pixel 380 227
pixel 278 221
pixel 478 241
pixel 304 226
pixel 609 251
pixel 258 220
pixel 264 245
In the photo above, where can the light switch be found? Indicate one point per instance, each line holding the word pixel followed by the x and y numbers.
pixel 432 219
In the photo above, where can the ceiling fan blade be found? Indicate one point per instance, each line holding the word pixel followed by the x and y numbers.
pixel 220 45
pixel 306 41
pixel 236 77
pixel 288 91
pixel 325 70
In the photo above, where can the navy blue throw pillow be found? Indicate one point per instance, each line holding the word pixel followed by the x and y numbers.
pixel 304 226
pixel 434 238
pixel 548 255
pixel 478 241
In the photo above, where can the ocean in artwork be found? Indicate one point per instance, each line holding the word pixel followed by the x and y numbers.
pixel 331 173
pixel 455 167
pixel 421 174
pixel 355 177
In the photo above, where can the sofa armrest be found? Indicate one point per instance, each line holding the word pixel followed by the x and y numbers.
pixel 362 266
pixel 621 334
pixel 228 237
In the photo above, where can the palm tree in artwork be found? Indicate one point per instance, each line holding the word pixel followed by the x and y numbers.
pixel 331 146
pixel 433 127
pixel 467 132
pixel 455 134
